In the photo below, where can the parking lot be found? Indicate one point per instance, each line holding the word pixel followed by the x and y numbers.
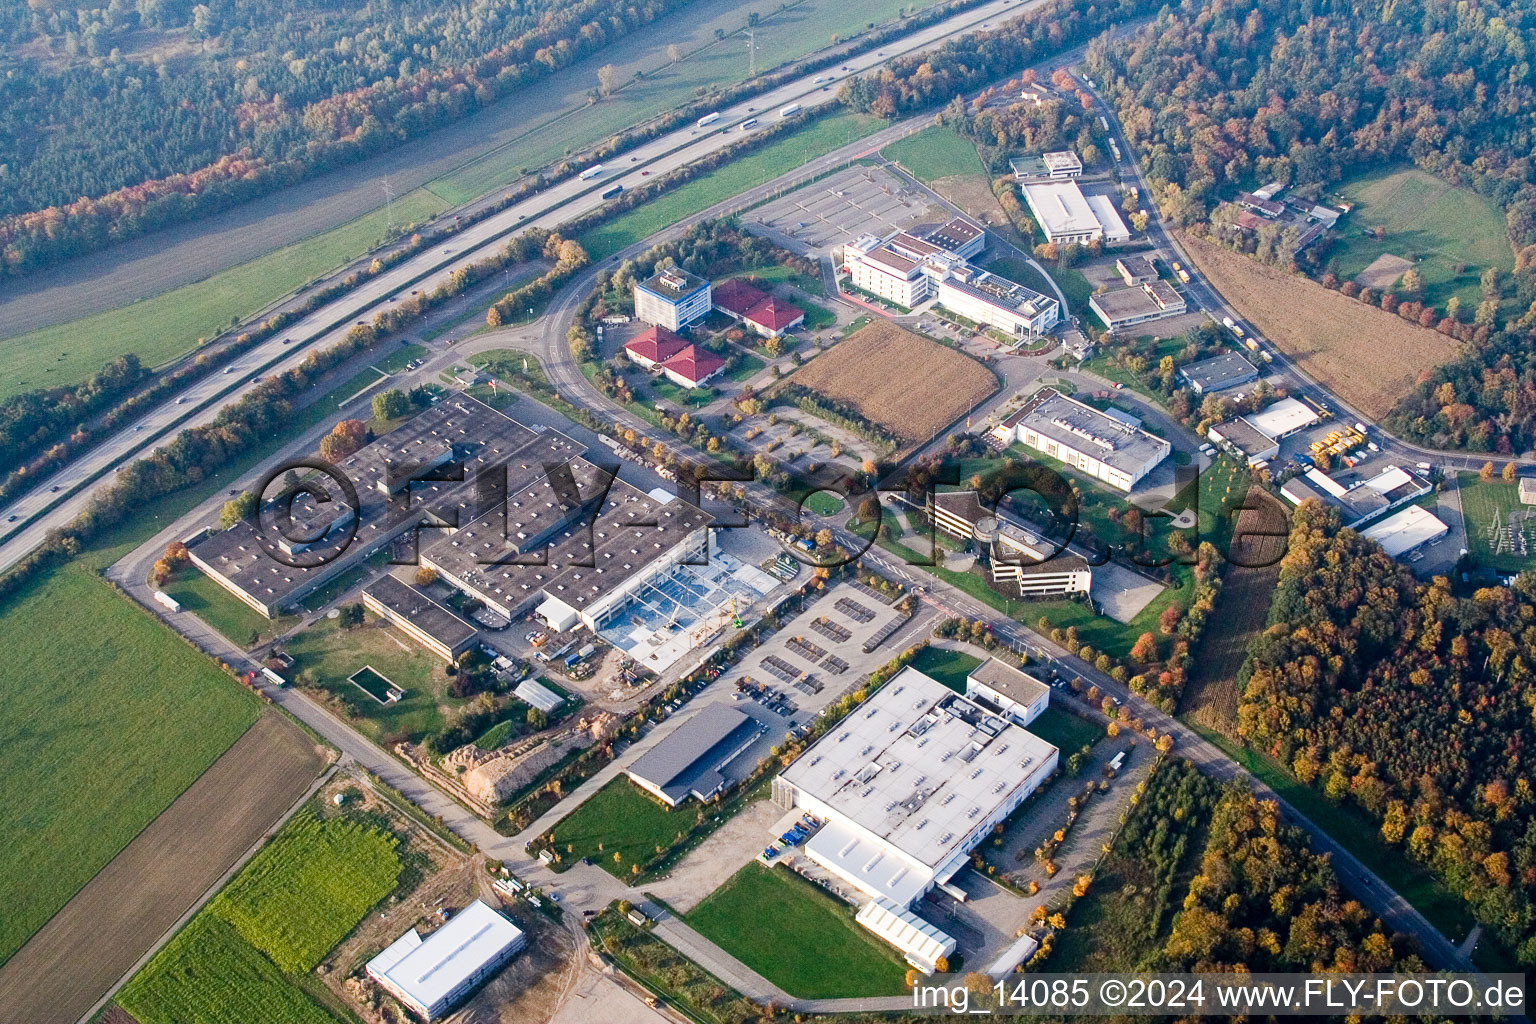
pixel 853 202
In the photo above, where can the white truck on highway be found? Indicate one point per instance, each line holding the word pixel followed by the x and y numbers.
pixel 790 111
pixel 708 119
pixel 591 172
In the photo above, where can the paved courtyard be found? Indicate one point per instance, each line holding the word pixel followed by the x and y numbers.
pixel 1120 592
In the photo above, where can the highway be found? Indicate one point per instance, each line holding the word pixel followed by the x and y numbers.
pixel 25 523
pixel 564 201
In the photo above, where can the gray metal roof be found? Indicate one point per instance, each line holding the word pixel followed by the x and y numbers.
pixel 690 758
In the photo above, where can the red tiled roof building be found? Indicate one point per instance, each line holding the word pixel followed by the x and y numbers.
pixel 692 367
pixel 656 345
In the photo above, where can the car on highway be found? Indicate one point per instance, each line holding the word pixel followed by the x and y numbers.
pixel 54 489
pixel 287 341
pixel 229 369
pixel 182 400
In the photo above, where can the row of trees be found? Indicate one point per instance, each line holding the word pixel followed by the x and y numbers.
pixel 909 84
pixel 149 144
pixel 1410 703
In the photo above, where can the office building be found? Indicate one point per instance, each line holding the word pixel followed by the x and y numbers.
pixel 672 298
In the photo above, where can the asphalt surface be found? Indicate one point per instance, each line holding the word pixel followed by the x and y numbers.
pixel 58 499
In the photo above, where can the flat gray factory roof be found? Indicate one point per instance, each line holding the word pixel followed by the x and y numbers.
pixel 1224 371
pixel 1085 429
pixel 456 428
pixel 691 758
pixel 420 610
pixel 578 553
pixel 919 766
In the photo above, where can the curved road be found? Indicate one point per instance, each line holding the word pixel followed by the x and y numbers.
pixel 25 523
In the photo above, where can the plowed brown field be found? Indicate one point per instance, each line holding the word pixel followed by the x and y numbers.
pixel 901 381
pixel 1368 357
pixel 76 957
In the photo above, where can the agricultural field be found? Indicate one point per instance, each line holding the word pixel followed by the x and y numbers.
pixel 1322 330
pixel 778 157
pixel 91 756
pixel 98 936
pixel 243 957
pixel 1451 234
pixel 161 328
pixel 620 827
pixel 210 975
pixel 935 152
pixel 1490 510
pixel 303 893
pixel 900 381
pixel 811 947
pixel 1211 697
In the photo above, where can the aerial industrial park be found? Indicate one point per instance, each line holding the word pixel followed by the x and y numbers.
pixel 674 513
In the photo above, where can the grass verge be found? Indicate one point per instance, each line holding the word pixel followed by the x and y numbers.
pixel 807 944
pixel 160 328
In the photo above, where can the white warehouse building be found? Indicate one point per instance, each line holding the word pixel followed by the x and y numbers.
pixel 908 784
pixel 431 975
pixel 1105 448
pixel 912 267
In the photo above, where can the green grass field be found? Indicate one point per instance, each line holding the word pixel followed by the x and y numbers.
pixel 824 503
pixel 780 37
pixel 1065 731
pixel 948 667
pixel 1451 233
pixel 238 621
pixel 620 820
pixel 1486 508
pixel 332 654
pixel 796 936
pixel 161 328
pixel 936 152
pixel 776 158
pixel 108 716
pixel 309 887
pixel 208 974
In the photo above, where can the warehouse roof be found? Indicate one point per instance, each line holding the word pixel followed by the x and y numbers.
pixel 420 611
pixel 918 766
pixel 1282 418
pixel 1061 207
pixel 428 970
pixel 1227 370
pixel 1400 533
pixel 563 536
pixel 920 942
pixel 1085 429
pixel 691 758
